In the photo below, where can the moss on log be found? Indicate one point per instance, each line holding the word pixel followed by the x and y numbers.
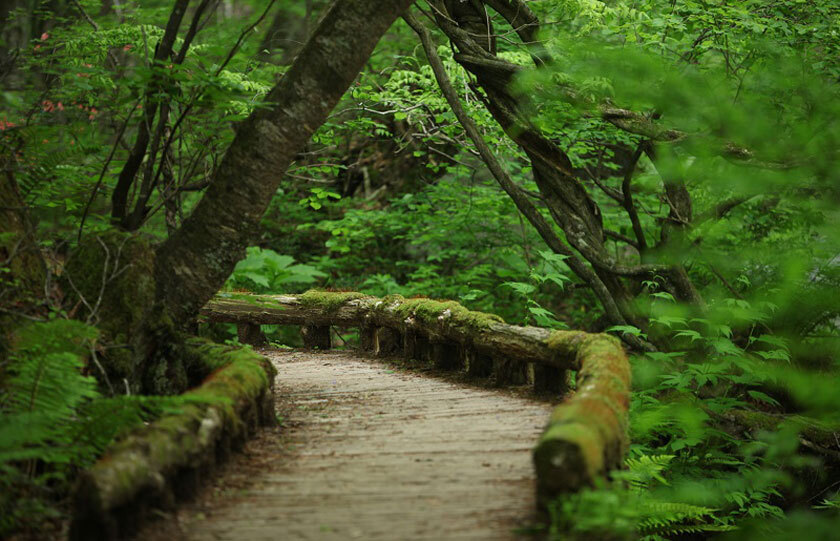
pixel 157 464
pixel 587 435
pixel 436 320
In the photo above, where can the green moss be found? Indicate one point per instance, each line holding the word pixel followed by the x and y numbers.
pixel 237 377
pixel 600 356
pixel 393 299
pixel 251 298
pixel 329 301
pixel 211 360
pixel 112 275
pixel 559 439
pixel 430 312
pixel 565 343
pixel 126 263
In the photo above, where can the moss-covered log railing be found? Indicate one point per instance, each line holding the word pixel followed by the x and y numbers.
pixel 586 435
pixel 158 464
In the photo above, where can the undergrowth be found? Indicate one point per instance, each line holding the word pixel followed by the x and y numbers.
pixel 54 420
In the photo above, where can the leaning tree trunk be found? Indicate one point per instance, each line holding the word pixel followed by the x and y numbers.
pixel 194 263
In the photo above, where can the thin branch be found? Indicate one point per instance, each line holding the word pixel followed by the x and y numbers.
pixel 198 95
pixel 627 200
pixel 615 235
pixel 191 32
pixel 104 169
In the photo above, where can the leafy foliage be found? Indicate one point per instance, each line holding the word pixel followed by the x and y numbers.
pixel 54 420
pixel 734 409
pixel 266 271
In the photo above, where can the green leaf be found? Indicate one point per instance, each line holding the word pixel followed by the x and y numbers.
pixel 761 397
pixel 627 329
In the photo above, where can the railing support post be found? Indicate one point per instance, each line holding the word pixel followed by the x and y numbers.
pixel 445 356
pixel 386 341
pixel 416 345
pixel 550 379
pixel 478 365
pixel 251 334
pixel 366 336
pixel 510 371
pixel 316 337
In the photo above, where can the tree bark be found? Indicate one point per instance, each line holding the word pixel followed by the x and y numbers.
pixel 163 50
pixel 570 205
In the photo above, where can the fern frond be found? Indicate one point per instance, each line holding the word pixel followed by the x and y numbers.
pixel 44 391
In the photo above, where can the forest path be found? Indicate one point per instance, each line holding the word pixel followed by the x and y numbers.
pixel 367 451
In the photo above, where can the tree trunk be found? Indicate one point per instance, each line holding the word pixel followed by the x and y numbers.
pixel 195 261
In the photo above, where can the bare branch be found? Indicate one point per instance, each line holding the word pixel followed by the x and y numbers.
pixel 627 201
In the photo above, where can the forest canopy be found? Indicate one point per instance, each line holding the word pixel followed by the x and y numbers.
pixel 664 171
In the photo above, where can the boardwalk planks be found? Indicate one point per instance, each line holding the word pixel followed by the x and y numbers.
pixel 585 437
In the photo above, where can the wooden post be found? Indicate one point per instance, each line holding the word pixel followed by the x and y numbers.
pixel 550 379
pixel 366 333
pixel 510 371
pixel 478 364
pixel 409 343
pixel 251 334
pixel 386 341
pixel 424 348
pixel 445 356
pixel 416 345
pixel 316 337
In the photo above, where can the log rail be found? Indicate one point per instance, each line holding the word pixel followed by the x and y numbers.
pixel 586 435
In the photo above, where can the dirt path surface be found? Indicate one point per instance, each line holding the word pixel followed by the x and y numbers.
pixel 369 452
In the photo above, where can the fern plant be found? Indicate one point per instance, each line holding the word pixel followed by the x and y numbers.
pixel 266 271
pixel 44 391
pixel 53 420
pixel 631 508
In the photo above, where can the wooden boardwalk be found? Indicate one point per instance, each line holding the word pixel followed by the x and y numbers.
pixel 370 452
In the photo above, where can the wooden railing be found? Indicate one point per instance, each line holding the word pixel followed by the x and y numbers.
pixel 586 435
